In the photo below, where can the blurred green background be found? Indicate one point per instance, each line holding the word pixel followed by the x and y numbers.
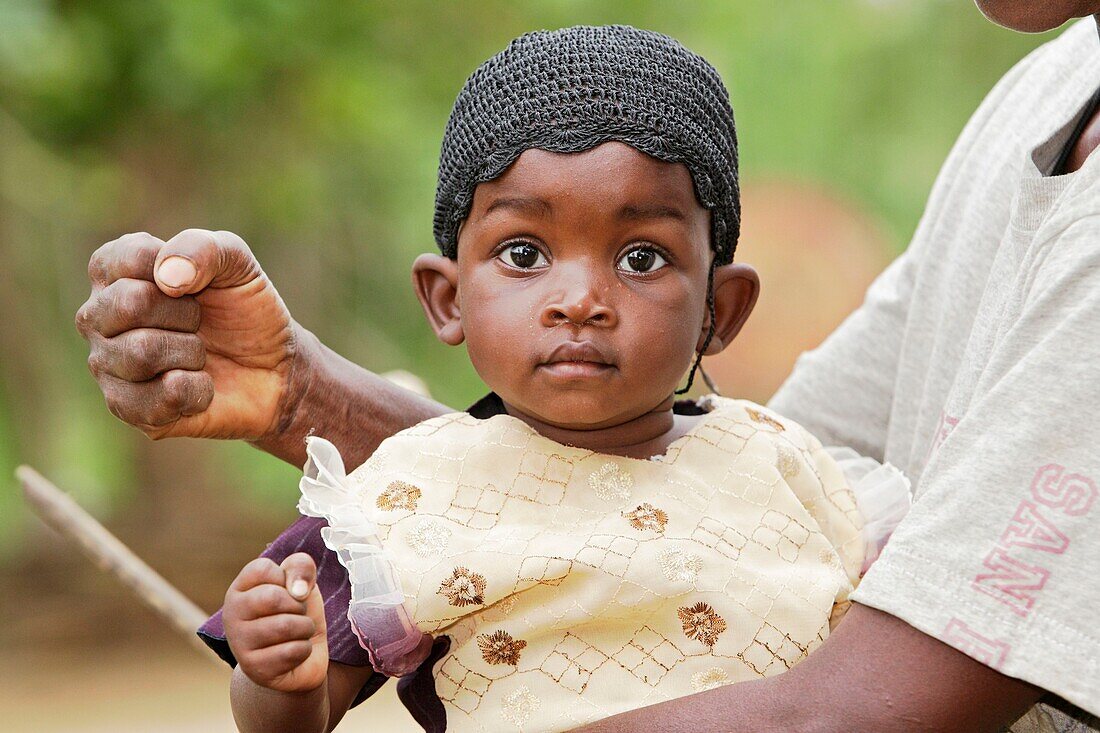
pixel 312 130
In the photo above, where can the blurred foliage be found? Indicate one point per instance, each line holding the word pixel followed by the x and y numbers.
pixel 312 129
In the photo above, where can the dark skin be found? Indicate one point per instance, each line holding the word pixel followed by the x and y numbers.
pixel 580 290
pixel 875 673
pixel 1036 16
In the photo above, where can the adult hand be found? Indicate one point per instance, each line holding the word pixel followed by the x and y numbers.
pixel 189 337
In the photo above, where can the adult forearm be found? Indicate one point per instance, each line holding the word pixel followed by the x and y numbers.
pixel 329 396
pixel 761 706
pixel 262 710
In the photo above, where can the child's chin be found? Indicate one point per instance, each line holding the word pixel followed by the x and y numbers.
pixel 575 410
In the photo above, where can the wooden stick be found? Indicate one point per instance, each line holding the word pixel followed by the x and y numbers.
pixel 59 511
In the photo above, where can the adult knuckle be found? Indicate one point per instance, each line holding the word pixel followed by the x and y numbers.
pixel 199 236
pixel 233 240
pixel 133 239
pixel 83 318
pixel 96 361
pixel 147 347
pixel 119 406
pixel 177 387
pixel 136 366
pixel 128 301
pixel 153 413
pixel 97 263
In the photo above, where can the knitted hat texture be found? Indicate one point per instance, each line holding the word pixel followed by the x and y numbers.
pixel 573 89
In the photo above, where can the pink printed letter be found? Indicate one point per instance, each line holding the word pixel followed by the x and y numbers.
pixel 1072 492
pixel 1011 581
pixel 990 652
pixel 1029 528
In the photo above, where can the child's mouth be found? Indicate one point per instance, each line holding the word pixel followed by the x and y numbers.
pixel 576 360
pixel 576 369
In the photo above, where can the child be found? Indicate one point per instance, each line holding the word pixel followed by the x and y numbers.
pixel 578 543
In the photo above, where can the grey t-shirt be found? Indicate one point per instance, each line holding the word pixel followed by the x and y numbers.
pixel 974 366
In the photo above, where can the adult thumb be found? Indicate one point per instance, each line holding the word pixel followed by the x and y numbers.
pixel 196 258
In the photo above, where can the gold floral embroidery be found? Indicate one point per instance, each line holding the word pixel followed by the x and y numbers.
pixel 398 495
pixel 377 461
pixel 500 648
pixel 611 482
pixel 678 565
pixel 518 706
pixel 463 588
pixel 829 558
pixel 787 462
pixel 763 419
pixel 709 679
pixel 647 517
pixel 701 623
pixel 429 538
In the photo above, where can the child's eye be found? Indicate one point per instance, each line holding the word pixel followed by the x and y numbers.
pixel 523 255
pixel 642 259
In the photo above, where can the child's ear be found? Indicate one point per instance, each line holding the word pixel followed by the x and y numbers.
pixel 736 288
pixel 435 279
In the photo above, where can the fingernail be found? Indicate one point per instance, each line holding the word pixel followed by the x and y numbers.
pixel 299 588
pixel 177 272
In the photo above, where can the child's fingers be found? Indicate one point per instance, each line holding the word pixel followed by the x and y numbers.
pixel 279 659
pixel 274 630
pixel 265 600
pixel 301 574
pixel 258 572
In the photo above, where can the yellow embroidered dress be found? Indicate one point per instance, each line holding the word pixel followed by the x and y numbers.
pixel 575 585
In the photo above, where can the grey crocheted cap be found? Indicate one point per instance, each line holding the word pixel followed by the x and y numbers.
pixel 573 89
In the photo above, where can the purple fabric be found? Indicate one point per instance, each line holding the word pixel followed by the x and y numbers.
pixel 417 691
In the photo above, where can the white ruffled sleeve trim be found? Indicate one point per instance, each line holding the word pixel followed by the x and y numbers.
pixel 377 612
pixel 883 495
pixel 351 534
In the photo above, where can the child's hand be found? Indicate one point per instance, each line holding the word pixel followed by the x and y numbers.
pixel 274 620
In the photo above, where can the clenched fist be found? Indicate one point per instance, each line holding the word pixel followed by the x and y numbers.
pixel 188 337
pixel 274 620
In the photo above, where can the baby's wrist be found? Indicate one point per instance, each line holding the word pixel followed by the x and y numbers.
pixel 256 706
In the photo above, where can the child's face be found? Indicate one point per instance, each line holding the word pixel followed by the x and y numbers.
pixel 581 284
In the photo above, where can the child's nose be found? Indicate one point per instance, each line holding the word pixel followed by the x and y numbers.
pixel 580 305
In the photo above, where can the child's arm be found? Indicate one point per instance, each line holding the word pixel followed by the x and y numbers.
pixel 275 624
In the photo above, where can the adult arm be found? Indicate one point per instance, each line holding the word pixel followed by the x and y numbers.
pixel 875 673
pixel 189 338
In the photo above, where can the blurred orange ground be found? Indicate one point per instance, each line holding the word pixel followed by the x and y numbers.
pixel 167 689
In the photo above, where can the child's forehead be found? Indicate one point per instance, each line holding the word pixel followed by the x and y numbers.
pixel 612 174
